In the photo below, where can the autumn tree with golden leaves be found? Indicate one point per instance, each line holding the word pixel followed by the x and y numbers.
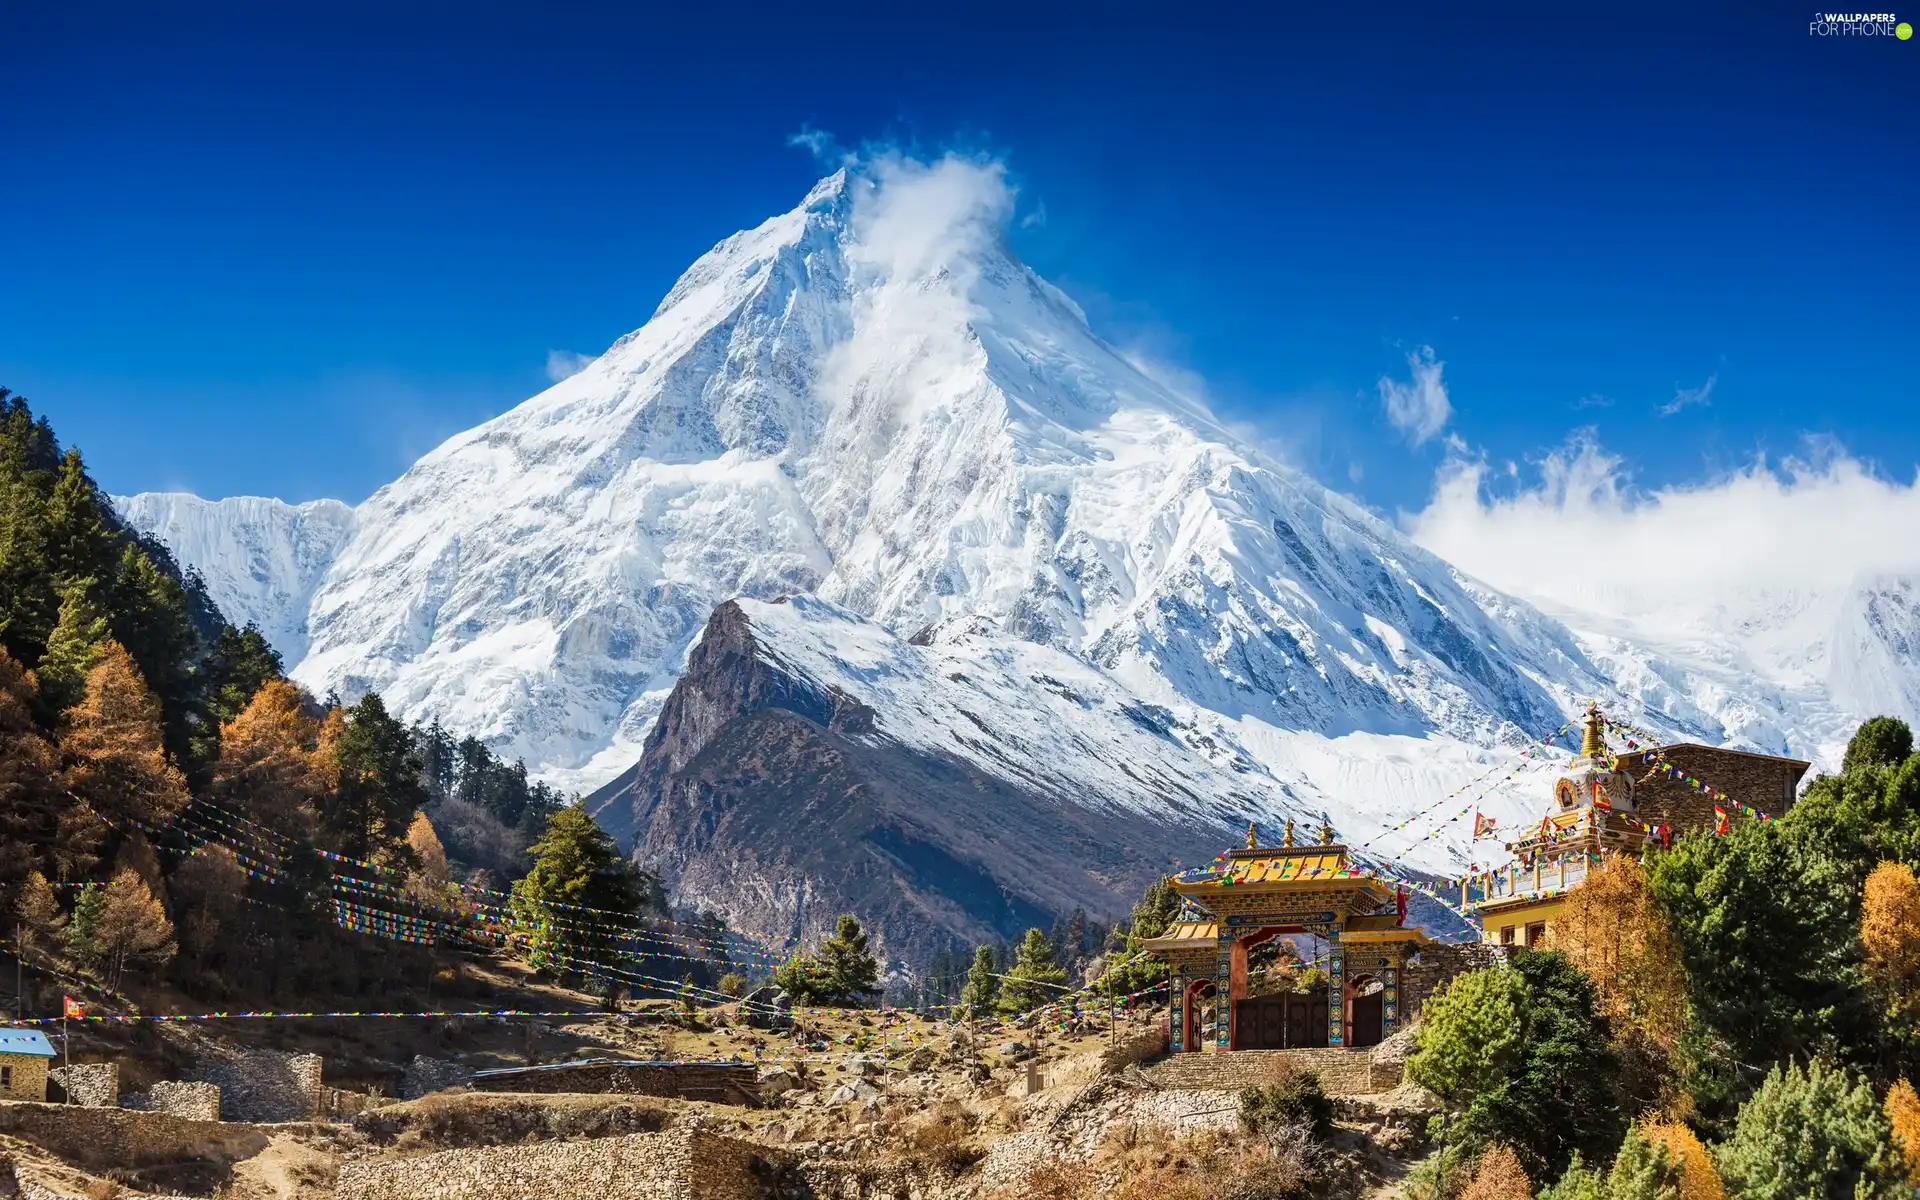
pixel 116 761
pixel 1499 1176
pixel 1890 933
pixel 1614 932
pixel 133 928
pixel 272 764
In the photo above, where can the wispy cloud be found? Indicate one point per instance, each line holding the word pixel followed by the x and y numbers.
pixel 565 364
pixel 1419 407
pixel 1814 521
pixel 1593 400
pixel 1689 397
pixel 817 142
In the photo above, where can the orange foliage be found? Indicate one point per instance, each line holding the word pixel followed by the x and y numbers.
pixel 268 760
pixel 1699 1179
pixel 1903 1110
pixel 1890 931
pixel 117 762
pixel 1611 930
pixel 1499 1177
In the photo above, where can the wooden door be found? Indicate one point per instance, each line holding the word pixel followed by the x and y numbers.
pixel 1260 1023
pixel 1306 1019
pixel 1366 1019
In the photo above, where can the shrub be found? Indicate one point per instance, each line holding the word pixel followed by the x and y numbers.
pixel 1813 1132
pixel 1525 1061
pixel 1297 1098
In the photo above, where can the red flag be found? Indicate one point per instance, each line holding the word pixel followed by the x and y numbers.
pixel 1482 826
pixel 73 1008
pixel 1719 819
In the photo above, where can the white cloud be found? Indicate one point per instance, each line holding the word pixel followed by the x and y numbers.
pixel 1585 537
pixel 817 142
pixel 1685 397
pixel 1418 408
pixel 565 364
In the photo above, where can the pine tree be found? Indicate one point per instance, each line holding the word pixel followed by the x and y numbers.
pixel 1879 742
pixel 379 788
pixel 1813 1131
pixel 1699 1179
pixel 576 868
pixel 852 972
pixel 73 649
pixel 239 664
pixel 1033 980
pixel 79 537
pixel 115 758
pixel 83 925
pixel 1643 1170
pixel 133 927
pixel 147 610
pixel 981 996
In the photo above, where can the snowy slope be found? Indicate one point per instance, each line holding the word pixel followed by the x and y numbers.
pixel 261 559
pixel 870 400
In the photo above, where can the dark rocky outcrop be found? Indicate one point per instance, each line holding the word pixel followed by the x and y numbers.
pixel 782 803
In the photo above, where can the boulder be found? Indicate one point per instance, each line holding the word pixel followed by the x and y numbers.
pixel 775 1081
pixel 852 1090
pixel 1014 1051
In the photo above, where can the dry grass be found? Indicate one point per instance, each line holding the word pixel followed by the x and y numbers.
pixel 455 1120
pixel 942 1140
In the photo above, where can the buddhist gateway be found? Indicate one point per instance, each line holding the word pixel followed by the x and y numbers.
pixel 1250 896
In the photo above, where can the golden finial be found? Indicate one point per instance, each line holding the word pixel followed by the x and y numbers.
pixel 1288 839
pixel 1253 842
pixel 1592 745
pixel 1326 832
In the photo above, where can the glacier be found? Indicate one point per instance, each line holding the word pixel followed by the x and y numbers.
pixel 869 400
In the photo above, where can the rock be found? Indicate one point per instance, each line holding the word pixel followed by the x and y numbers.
pixel 867 1067
pixel 775 1081
pixel 857 1089
pixel 920 1060
pixel 1015 1051
pixel 767 1008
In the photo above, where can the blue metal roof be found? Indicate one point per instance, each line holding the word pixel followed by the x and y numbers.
pixel 25 1041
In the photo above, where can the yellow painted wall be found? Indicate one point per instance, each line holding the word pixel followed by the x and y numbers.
pixel 29 1073
pixel 1517 918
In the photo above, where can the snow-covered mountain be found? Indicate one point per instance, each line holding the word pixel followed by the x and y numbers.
pixel 869 400
pixel 261 559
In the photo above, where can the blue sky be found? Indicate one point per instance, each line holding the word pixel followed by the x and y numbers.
pixel 252 252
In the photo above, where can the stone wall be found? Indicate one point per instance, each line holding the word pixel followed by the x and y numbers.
pixel 192 1101
pixel 29 1078
pixel 263 1085
pixel 90 1085
pixel 424 1076
pixel 676 1165
pixel 722 1083
pixel 1758 780
pixel 97 1139
pixel 1436 965
pixel 1342 1072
